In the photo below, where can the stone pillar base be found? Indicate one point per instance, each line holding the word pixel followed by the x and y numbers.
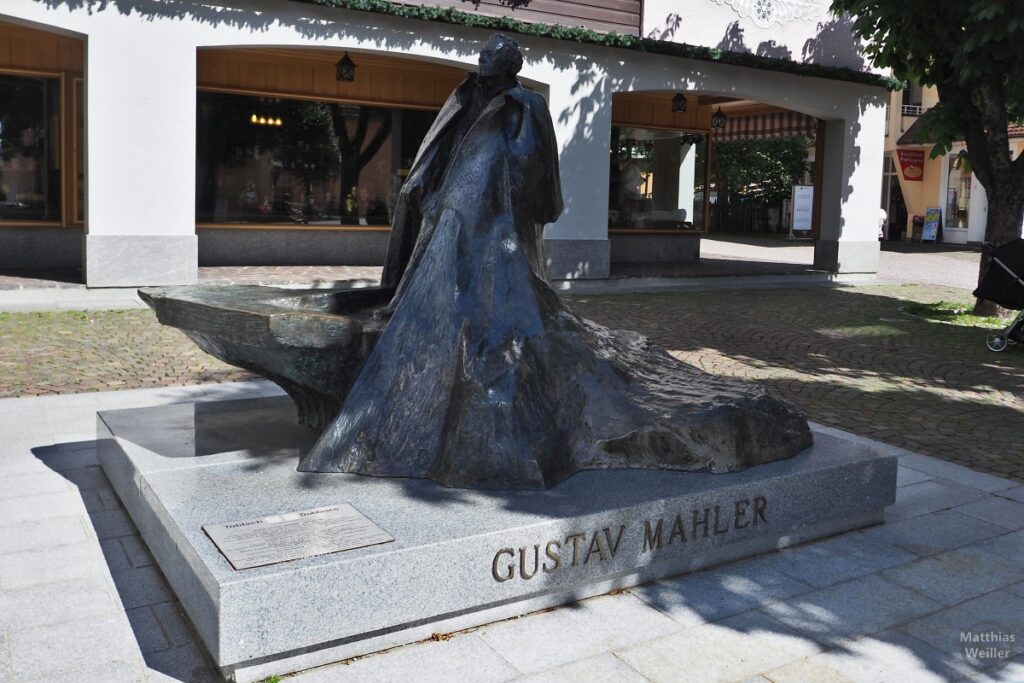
pixel 577 259
pixel 139 260
pixel 846 257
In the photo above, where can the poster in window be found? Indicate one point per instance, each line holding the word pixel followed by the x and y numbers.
pixel 803 207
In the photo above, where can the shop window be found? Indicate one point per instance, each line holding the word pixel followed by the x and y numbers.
pixel 657 180
pixel 958 195
pixel 30 156
pixel 284 161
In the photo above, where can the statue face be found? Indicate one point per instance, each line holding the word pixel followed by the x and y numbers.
pixel 490 59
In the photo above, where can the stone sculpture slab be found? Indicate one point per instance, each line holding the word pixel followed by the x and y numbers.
pixel 465 367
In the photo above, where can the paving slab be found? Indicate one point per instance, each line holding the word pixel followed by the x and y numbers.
pixel 715 594
pixel 55 603
pixel 733 649
pixel 998 612
pixel 1010 546
pixel 465 657
pixel 582 630
pixel 886 656
pixel 956 474
pixel 51 565
pixel 48 533
pixel 1016 493
pixel 905 476
pixel 930 496
pixel 957 575
pixel 933 533
pixel 83 646
pixel 838 559
pixel 606 668
pixel 849 610
pixel 996 510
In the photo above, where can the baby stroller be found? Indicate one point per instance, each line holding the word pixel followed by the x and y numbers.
pixel 1003 285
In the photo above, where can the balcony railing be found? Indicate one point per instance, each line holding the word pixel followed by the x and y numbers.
pixel 913 110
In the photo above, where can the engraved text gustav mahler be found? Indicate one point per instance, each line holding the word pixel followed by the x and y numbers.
pixel 603 544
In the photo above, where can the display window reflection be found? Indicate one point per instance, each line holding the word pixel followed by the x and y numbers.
pixel 30 183
pixel 958 194
pixel 657 180
pixel 303 162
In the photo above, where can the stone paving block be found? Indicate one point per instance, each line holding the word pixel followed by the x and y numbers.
pixel 932 533
pixel 109 499
pixel 115 555
pixel 141 586
pixel 49 533
pixel 957 575
pixel 19 511
pixel 59 459
pixel 851 609
pixel 33 485
pixel 112 524
pixel 738 647
pixel 138 553
pixel 719 593
pixel 1016 493
pixel 84 647
pixel 17 460
pixel 6 671
pixel 886 656
pixel 91 500
pixel 1010 546
pixel 1010 672
pixel 54 603
pixel 463 658
pixel 606 668
pixel 1005 513
pixel 906 476
pixel 1017 589
pixel 86 478
pixel 63 563
pixel 955 473
pixel 148 633
pixel 837 559
pixel 546 640
pixel 172 620
pixel 184 663
pixel 999 610
pixel 929 496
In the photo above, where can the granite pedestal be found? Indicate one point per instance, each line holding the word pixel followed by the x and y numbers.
pixel 460 558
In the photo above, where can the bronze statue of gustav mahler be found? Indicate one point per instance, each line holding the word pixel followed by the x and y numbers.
pixel 482 378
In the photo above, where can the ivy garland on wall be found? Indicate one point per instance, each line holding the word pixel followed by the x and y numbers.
pixel 450 15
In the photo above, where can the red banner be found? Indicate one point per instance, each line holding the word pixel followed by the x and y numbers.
pixel 911 163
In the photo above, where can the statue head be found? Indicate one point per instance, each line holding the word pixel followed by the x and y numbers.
pixel 500 56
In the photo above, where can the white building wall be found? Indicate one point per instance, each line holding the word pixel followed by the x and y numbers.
pixel 802 31
pixel 141 122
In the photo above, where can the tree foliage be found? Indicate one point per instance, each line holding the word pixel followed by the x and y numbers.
pixel 765 170
pixel 972 52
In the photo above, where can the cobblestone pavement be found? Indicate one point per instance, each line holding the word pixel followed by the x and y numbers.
pixel 79 351
pixel 847 356
pixel 851 359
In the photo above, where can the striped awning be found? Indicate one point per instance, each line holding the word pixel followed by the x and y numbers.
pixel 782 124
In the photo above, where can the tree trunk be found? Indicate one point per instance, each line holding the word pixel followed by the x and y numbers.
pixel 1005 212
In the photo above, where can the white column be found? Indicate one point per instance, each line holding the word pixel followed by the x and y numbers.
pixel 141 141
pixel 577 245
pixel 850 192
pixel 687 176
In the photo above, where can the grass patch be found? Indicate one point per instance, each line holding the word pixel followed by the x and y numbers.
pixel 953 314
